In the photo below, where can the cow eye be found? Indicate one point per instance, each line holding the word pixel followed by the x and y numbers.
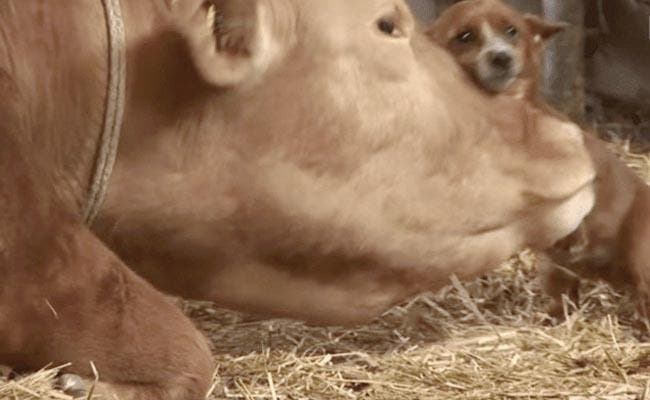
pixel 465 37
pixel 511 31
pixel 387 26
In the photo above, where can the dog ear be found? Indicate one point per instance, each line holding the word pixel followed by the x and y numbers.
pixel 543 30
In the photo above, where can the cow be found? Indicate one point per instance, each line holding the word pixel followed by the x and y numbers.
pixel 308 159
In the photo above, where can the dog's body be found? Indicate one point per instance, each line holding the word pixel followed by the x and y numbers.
pixel 613 243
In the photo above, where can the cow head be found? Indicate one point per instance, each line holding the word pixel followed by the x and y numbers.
pixel 289 156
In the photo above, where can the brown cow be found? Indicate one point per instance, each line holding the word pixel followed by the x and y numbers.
pixel 300 158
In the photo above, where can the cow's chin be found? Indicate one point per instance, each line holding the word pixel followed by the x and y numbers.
pixel 397 233
pixel 327 275
pixel 564 217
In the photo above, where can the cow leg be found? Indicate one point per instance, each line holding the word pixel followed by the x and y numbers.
pixel 557 282
pixel 642 300
pixel 65 298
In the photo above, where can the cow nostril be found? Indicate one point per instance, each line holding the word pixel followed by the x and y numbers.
pixel 501 60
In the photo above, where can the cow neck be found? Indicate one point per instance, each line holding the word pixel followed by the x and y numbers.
pixel 113 112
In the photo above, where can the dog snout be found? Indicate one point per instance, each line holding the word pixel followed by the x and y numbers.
pixel 500 60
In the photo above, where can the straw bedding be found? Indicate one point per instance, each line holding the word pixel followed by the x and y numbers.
pixel 486 339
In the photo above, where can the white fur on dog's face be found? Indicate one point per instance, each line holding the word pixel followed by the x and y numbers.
pixel 498 63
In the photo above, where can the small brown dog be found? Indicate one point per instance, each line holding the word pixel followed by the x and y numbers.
pixel 501 49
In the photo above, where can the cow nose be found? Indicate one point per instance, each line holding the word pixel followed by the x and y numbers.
pixel 501 60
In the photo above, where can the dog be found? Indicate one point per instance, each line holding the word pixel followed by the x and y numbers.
pixel 501 50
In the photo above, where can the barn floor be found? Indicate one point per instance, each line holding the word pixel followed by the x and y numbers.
pixel 486 339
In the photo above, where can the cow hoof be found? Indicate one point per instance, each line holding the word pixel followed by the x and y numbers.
pixel 556 316
pixel 72 385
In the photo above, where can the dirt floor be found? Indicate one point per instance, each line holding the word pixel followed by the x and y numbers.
pixel 486 339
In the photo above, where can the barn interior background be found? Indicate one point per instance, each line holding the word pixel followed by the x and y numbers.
pixel 486 339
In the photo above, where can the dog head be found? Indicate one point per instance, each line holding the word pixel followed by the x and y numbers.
pixel 495 44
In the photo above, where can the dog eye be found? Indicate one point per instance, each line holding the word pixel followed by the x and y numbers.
pixel 387 26
pixel 511 31
pixel 465 37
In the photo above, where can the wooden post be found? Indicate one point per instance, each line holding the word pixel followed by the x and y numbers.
pixel 424 10
pixel 530 6
pixel 564 64
pixel 441 5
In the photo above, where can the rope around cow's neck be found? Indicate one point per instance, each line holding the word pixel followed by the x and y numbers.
pixel 114 112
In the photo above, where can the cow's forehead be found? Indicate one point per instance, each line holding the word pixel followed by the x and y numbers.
pixel 335 12
pixel 340 25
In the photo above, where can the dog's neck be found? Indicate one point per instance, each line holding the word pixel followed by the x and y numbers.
pixel 522 89
pixel 526 86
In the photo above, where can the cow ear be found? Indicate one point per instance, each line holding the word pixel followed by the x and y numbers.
pixel 543 30
pixel 231 41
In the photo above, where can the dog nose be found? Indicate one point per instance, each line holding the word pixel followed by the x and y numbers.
pixel 501 60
